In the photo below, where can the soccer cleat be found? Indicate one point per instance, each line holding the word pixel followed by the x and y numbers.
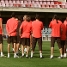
pixel 16 56
pixel 41 57
pixel 60 57
pixel 3 56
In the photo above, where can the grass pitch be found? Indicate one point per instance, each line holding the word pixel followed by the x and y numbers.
pixel 35 61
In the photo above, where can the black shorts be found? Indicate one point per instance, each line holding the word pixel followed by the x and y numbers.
pixel 1 39
pixel 34 41
pixel 62 42
pixel 66 41
pixel 25 41
pixel 18 39
pixel 56 39
pixel 12 39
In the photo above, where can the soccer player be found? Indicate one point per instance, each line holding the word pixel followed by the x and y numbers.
pixel 1 38
pixel 65 22
pixel 63 39
pixel 19 18
pixel 18 33
pixel 55 35
pixel 37 27
pixel 25 28
pixel 11 27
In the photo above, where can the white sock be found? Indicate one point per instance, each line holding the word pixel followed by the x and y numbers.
pixel 1 53
pixel 14 54
pixel 64 54
pixel 8 55
pixel 61 55
pixel 31 54
pixel 26 55
pixel 51 56
pixel 22 54
pixel 40 55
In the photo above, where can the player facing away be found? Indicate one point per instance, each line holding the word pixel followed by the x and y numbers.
pixel 19 18
pixel 37 27
pixel 63 39
pixel 65 23
pixel 55 35
pixel 1 38
pixel 25 29
pixel 11 27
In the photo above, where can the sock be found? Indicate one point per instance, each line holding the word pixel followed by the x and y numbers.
pixel 31 54
pixel 22 54
pixel 14 54
pixel 8 54
pixel 1 53
pixel 26 55
pixel 51 56
pixel 40 55
pixel 61 55
pixel 64 54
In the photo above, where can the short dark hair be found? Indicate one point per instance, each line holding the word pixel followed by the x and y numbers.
pixel 13 15
pixel 37 16
pixel 55 17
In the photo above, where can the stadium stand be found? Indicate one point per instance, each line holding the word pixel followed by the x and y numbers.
pixel 33 3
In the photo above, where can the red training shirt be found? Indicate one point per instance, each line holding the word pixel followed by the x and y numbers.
pixel 37 27
pixel 11 26
pixel 63 32
pixel 55 28
pixel 0 25
pixel 26 29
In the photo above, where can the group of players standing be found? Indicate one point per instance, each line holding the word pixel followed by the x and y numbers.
pixel 21 32
pixel 58 34
pixel 26 32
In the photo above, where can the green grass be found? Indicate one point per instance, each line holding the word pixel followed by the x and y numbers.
pixel 35 61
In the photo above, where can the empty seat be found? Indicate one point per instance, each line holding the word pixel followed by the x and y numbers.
pixel 0 5
pixel 49 30
pixel 14 2
pixel 66 5
pixel 49 37
pixel 56 4
pixel 29 4
pixel 18 2
pixel 43 4
pixel 21 2
pixel 3 4
pixel 62 5
pixel 52 5
pixel 10 3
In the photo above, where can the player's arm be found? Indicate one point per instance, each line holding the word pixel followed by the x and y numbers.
pixel 15 28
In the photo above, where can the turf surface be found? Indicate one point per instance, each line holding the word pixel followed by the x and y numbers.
pixel 35 61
